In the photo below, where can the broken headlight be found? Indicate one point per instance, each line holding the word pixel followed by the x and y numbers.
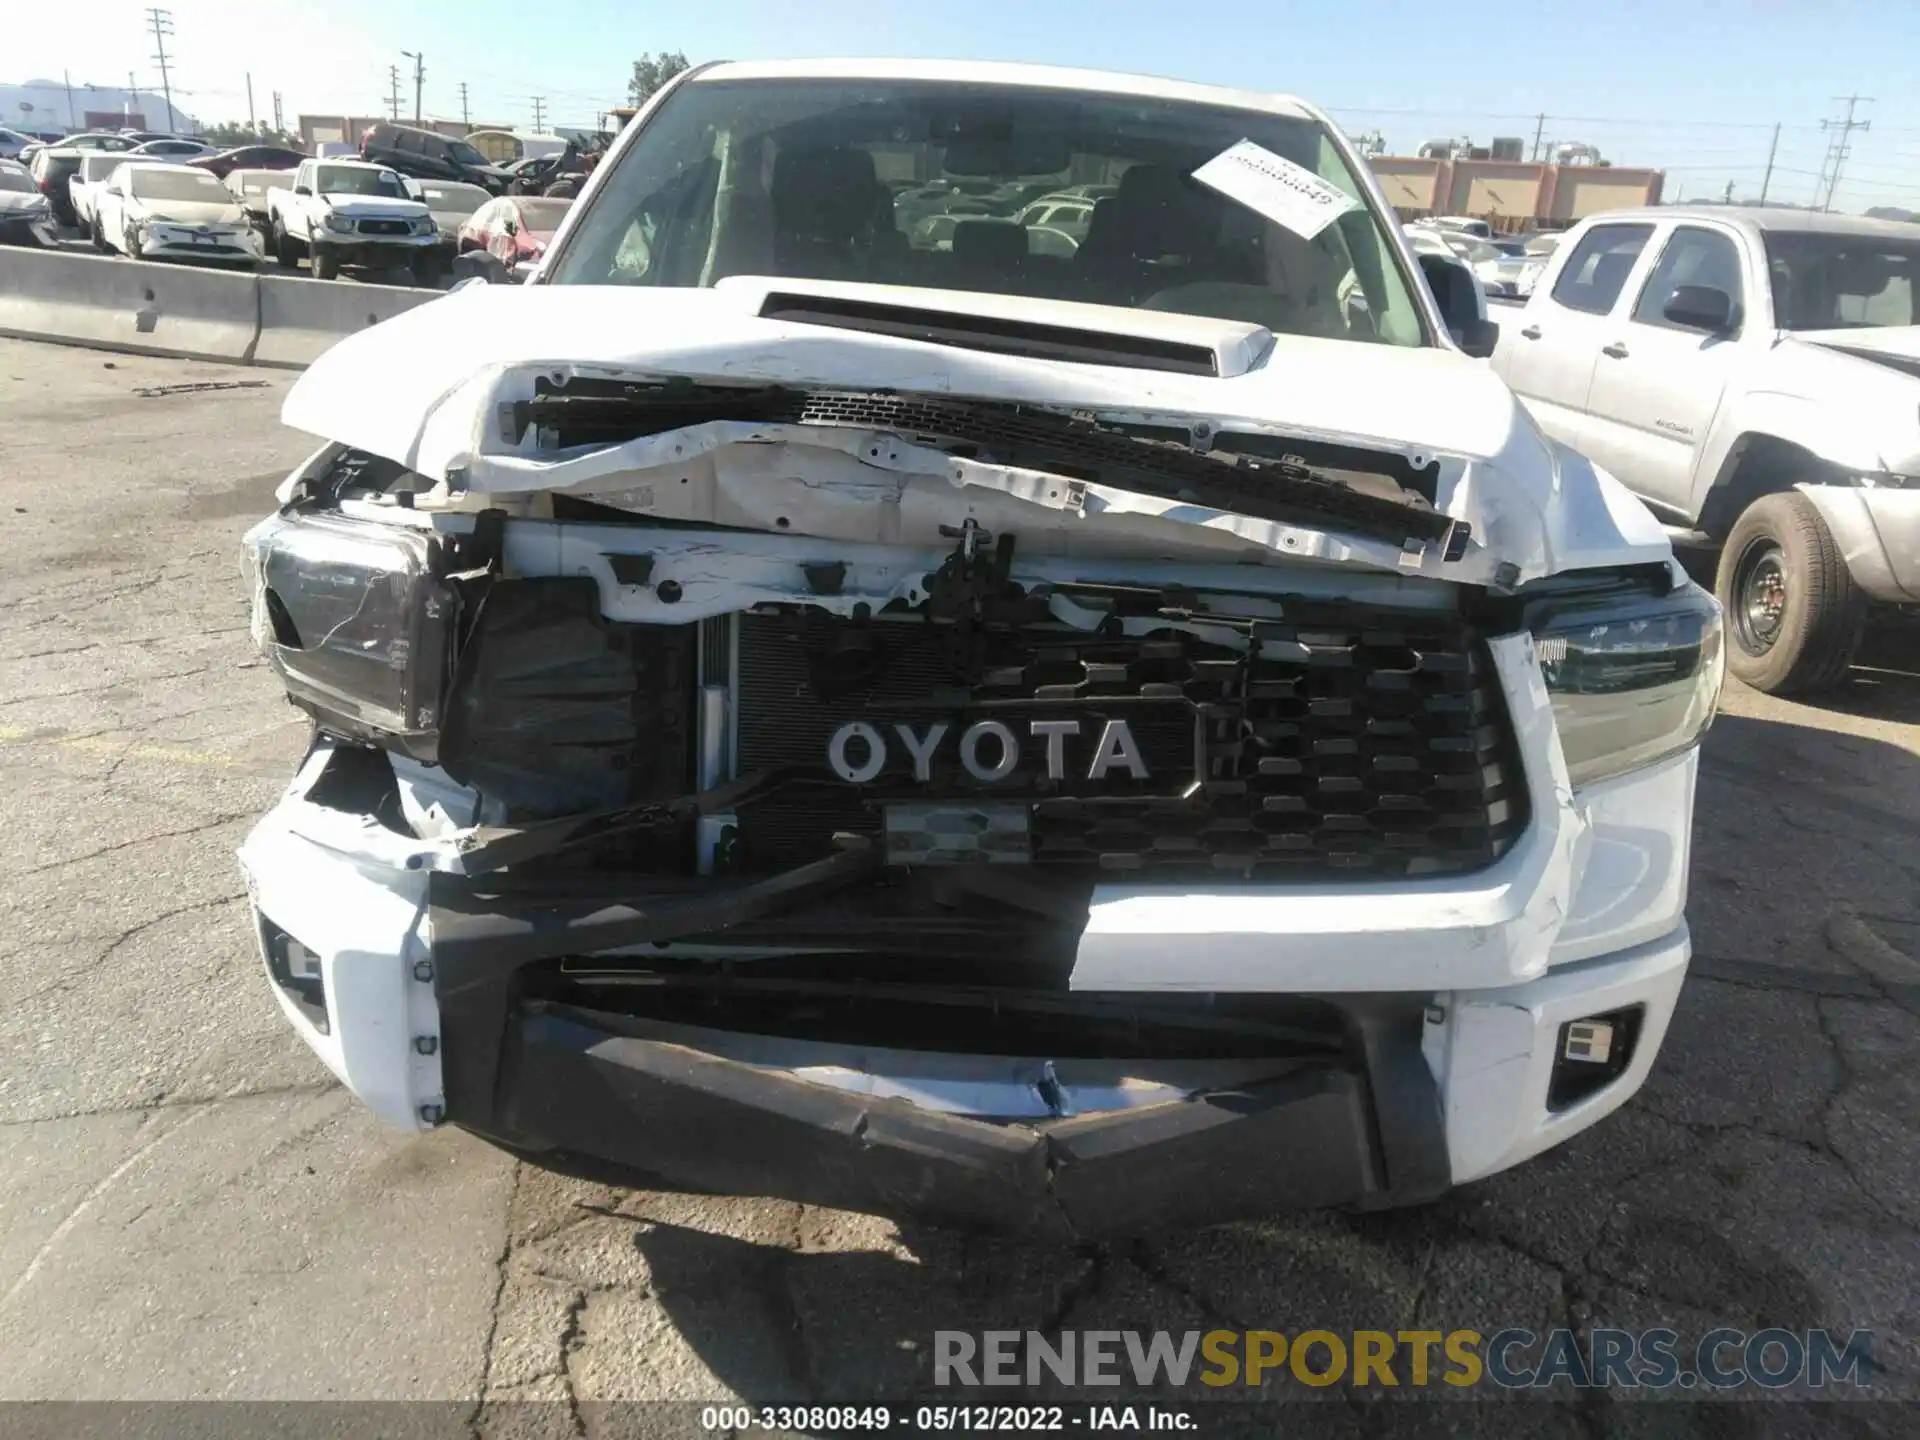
pixel 1633 680
pixel 357 622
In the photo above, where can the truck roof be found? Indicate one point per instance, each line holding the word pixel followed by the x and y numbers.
pixel 994 72
pixel 1777 218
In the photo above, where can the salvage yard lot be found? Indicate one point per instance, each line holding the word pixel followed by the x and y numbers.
pixel 190 1208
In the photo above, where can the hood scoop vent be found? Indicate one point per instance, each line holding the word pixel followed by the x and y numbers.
pixel 998 335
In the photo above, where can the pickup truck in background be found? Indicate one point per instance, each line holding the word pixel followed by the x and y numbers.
pixel 1753 375
pixel 346 212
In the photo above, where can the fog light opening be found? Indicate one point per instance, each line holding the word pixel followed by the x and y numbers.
pixel 1591 1053
pixel 296 971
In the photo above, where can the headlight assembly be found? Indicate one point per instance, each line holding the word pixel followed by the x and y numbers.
pixel 338 222
pixel 423 227
pixel 1633 679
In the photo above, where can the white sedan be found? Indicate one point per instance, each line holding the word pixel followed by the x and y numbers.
pixel 153 211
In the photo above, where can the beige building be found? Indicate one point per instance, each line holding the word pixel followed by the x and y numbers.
pixel 1511 194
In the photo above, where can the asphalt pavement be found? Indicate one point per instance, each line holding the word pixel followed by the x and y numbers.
pixel 190 1208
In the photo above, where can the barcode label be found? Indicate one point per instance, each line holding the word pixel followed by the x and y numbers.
pixel 1286 193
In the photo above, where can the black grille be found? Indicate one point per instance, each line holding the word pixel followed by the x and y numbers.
pixel 1378 744
pixel 385 227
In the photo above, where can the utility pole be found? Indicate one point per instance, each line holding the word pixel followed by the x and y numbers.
pixel 133 99
pixel 1726 197
pixel 66 80
pixel 252 124
pixel 278 123
pixel 539 114
pixel 1842 146
pixel 1767 179
pixel 393 93
pixel 1539 129
pixel 162 22
pixel 465 122
pixel 419 75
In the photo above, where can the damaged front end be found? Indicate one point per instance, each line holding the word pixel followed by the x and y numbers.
pixel 1002 814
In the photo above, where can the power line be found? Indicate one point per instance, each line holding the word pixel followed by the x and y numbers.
pixel 162 23
pixel 1842 131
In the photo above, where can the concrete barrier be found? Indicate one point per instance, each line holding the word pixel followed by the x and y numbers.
pixel 301 318
pixel 138 306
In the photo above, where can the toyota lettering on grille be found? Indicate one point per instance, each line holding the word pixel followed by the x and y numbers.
pixel 989 750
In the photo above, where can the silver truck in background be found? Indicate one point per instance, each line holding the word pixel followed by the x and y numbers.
pixel 1753 375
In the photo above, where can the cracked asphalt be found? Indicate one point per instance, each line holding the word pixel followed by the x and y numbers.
pixel 190 1208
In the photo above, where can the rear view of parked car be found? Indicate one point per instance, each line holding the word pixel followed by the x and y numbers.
pixel 151 211
pixel 251 189
pixel 514 230
pixel 85 184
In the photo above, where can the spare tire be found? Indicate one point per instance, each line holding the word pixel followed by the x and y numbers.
pixel 1794 617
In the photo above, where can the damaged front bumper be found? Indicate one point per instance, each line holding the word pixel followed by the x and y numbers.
pixel 1432 1047
pixel 1390 896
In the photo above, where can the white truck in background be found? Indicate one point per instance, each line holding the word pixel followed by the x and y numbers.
pixel 1753 375
pixel 349 213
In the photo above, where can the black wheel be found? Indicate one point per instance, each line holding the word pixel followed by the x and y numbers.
pixel 1793 613
pixel 325 264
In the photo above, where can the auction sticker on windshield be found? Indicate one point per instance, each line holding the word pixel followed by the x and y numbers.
pixel 1286 193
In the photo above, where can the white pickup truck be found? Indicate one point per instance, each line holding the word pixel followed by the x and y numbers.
pixel 346 212
pixel 1753 375
pixel 1087 742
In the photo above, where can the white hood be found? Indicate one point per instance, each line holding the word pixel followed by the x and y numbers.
pixel 376 206
pixel 13 202
pixel 189 212
pixel 1899 340
pixel 424 389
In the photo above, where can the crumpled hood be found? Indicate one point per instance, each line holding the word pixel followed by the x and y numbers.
pixel 191 212
pixel 1896 346
pixel 13 202
pixel 376 206
pixel 424 389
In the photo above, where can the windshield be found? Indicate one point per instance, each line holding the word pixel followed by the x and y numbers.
pixel 99 167
pixel 465 153
pixel 924 184
pixel 178 184
pixel 1842 282
pixel 543 217
pixel 352 180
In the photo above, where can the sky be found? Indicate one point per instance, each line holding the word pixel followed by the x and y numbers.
pixel 1694 87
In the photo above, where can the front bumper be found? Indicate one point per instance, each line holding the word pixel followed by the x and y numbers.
pixel 37 230
pixel 1878 532
pixel 227 247
pixel 1452 996
pixel 376 250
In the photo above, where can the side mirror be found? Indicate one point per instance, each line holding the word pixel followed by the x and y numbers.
pixel 507 227
pixel 1700 307
pixel 303 190
pixel 1453 289
pixel 1478 338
